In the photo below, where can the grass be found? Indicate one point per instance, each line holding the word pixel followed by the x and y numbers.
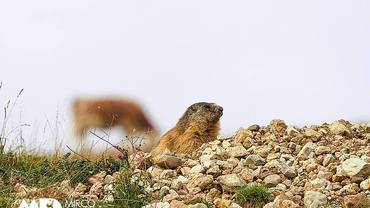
pixel 129 193
pixel 207 203
pixel 43 171
pixel 366 205
pixel 255 195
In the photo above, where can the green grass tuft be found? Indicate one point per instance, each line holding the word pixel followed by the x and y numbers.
pixel 5 201
pixel 41 171
pixel 207 203
pixel 44 171
pixel 255 195
pixel 129 193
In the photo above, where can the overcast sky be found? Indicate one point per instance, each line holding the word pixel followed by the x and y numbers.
pixel 305 62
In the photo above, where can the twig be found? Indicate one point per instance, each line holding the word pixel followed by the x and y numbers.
pixel 121 150
pixel 115 146
pixel 78 154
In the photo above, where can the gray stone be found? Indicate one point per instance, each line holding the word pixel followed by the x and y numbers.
pixel 158 205
pixel 322 150
pixel 255 160
pixel 321 183
pixel 238 151
pixel 199 182
pixel 356 167
pixel 197 169
pixel 197 205
pixel 234 205
pixel 168 161
pixel 272 180
pixel 166 174
pixel 307 149
pixel 312 133
pixel 172 195
pixel 365 185
pixel 328 158
pixel 289 172
pixel 231 180
pixel 339 129
pixel 314 199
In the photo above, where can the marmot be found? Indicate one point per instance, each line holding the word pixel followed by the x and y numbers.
pixel 110 112
pixel 199 124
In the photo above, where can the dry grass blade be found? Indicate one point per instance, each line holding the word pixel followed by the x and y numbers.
pixel 70 149
pixel 124 152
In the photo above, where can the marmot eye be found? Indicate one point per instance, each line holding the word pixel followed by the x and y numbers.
pixel 193 109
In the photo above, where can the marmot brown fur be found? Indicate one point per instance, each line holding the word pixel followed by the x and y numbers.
pixel 199 124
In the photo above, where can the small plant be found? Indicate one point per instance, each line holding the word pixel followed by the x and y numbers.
pixel 5 201
pixel 366 205
pixel 207 203
pixel 129 190
pixel 255 195
pixel 4 131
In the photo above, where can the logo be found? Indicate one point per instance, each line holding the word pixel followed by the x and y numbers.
pixel 41 203
pixel 53 203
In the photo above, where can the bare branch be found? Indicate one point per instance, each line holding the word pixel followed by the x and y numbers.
pixel 78 154
pixel 120 149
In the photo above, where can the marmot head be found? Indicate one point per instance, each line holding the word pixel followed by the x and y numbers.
pixel 204 114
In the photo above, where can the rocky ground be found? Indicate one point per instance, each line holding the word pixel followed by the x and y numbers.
pixel 324 165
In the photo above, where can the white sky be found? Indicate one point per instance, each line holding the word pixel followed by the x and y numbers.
pixel 305 62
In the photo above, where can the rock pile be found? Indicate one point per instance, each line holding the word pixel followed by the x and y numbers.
pixel 321 165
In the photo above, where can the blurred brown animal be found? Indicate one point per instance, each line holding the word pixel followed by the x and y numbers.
pixel 107 113
pixel 199 124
